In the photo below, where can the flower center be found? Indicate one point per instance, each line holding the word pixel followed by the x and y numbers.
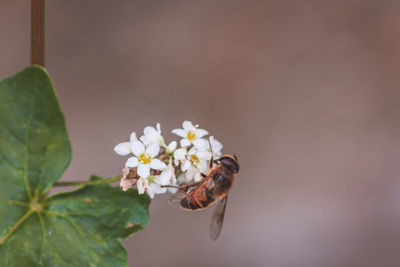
pixel 194 158
pixel 191 136
pixel 144 158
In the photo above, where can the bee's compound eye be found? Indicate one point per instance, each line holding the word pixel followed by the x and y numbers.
pixel 229 163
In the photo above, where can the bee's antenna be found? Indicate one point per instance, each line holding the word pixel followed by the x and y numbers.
pixel 236 158
pixel 212 153
pixel 197 169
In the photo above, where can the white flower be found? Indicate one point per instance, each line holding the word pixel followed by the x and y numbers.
pixel 195 156
pixel 125 148
pixel 199 163
pixel 156 189
pixel 151 186
pixel 167 175
pixel 145 159
pixel 190 134
pixel 192 174
pixel 152 135
pixel 171 147
pixel 192 162
pixel 216 147
pixel 198 156
pixel 142 185
pixel 180 156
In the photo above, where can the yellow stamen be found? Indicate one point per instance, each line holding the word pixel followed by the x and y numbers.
pixel 194 159
pixel 191 136
pixel 144 158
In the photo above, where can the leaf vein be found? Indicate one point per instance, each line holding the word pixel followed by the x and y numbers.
pixel 50 245
pixel 15 226
pixel 26 147
pixel 13 202
pixel 43 237
pixel 77 229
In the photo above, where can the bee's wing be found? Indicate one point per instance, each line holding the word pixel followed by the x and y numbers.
pixel 182 192
pixel 218 218
pixel 176 197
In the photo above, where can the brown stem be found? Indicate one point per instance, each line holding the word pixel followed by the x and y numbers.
pixel 37 32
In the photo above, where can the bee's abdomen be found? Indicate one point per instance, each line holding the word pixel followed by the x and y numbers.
pixel 196 201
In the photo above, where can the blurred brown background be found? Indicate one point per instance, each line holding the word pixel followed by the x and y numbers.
pixel 305 92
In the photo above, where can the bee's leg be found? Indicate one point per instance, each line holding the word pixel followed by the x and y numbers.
pixel 182 187
pixel 191 185
pixel 173 186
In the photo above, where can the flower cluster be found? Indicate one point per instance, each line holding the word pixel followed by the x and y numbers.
pixel 155 164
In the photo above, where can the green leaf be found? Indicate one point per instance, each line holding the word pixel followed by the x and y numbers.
pixel 78 228
pixel 34 146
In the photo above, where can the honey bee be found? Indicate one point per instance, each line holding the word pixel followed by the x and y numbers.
pixel 213 187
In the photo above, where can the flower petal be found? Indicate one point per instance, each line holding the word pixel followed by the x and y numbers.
pixel 185 165
pixel 172 190
pixel 125 172
pixel 143 170
pixel 156 188
pixel 215 144
pixel 189 175
pixel 125 184
pixel 173 179
pixel 185 142
pixel 157 164
pixel 180 154
pixel 145 140
pixel 137 148
pixel 171 147
pixel 133 137
pixel 132 162
pixel 153 150
pixel 149 130
pixel 201 132
pixel 150 192
pixel 179 132
pixel 203 166
pixel 192 151
pixel 204 155
pixel 123 149
pixel 142 185
pixel 151 135
pixel 188 125
pixel 161 141
pixel 200 144
pixel 165 177
pixel 197 177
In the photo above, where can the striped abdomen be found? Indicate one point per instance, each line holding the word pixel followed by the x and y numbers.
pixel 213 187
pixel 199 197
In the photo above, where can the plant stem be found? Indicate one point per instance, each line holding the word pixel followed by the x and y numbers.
pixel 37 32
pixel 102 181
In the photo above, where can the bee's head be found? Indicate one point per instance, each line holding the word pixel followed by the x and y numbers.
pixel 230 162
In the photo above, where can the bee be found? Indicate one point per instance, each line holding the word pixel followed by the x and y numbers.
pixel 213 187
